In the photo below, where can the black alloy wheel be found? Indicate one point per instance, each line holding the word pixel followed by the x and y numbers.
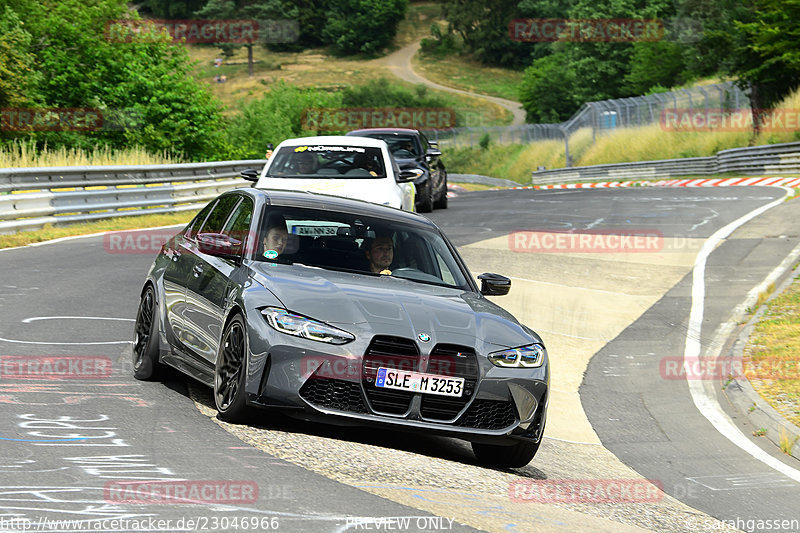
pixel 425 204
pixel 145 338
pixel 229 373
pixel 441 203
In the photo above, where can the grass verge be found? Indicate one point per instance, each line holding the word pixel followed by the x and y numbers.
pixel 469 75
pixel 772 354
pixel 50 232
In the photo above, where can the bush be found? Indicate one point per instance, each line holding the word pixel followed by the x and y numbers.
pixel 382 93
pixel 441 45
pixel 274 117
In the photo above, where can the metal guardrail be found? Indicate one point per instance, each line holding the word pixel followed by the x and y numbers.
pixel 33 197
pixel 752 161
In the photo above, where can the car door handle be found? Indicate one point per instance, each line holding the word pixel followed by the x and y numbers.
pixel 198 270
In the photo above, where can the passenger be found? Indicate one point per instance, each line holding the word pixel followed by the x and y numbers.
pixel 275 238
pixel 305 163
pixel 380 254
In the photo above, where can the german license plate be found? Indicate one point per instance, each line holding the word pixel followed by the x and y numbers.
pixel 390 378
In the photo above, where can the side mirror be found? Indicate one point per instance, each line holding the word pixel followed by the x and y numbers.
pixel 433 152
pixel 249 174
pixel 494 284
pixel 409 174
pixel 218 245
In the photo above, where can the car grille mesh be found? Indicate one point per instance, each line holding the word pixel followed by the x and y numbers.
pixel 333 394
pixel 403 354
pixel 452 361
pixel 389 352
pixel 489 414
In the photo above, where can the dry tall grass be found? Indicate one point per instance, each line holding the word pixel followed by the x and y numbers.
pixel 25 154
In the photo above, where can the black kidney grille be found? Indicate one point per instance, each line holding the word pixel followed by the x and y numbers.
pixel 489 414
pixel 389 352
pixel 334 394
pixel 453 361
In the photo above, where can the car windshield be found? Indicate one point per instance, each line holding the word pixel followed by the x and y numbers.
pixel 360 244
pixel 401 146
pixel 327 161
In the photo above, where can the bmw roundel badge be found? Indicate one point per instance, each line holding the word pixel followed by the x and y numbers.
pixel 424 337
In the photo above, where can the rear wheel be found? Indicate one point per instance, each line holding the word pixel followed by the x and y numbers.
pixel 229 372
pixel 514 456
pixel 425 204
pixel 145 338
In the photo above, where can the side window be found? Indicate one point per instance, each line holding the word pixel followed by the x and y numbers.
pixel 424 141
pixel 219 215
pixel 239 222
pixel 199 219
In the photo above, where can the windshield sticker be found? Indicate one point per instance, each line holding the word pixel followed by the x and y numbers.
pixel 271 254
pixel 301 149
pixel 357 149
pixel 315 230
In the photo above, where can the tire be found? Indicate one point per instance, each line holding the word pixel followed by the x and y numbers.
pixel 230 371
pixel 425 204
pixel 514 456
pixel 441 203
pixel 145 339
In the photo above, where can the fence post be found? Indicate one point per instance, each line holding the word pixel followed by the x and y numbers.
pixel 567 161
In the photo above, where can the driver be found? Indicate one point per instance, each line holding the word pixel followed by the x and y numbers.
pixel 380 253
pixel 275 238
pixel 366 162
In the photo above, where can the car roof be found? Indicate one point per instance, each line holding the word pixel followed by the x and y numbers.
pixel 312 200
pixel 382 130
pixel 334 139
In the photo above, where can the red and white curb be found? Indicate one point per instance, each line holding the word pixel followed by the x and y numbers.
pixel 693 182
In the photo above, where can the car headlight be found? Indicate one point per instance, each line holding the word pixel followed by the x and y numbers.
pixel 301 326
pixel 530 356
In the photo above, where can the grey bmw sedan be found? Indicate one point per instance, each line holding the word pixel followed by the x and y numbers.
pixel 344 312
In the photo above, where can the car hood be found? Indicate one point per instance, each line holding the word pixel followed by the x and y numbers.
pixel 376 191
pixel 392 306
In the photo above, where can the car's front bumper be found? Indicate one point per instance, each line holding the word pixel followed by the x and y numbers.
pixel 334 386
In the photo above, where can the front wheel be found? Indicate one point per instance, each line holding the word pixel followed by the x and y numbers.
pixel 514 456
pixel 425 204
pixel 441 203
pixel 229 372
pixel 145 338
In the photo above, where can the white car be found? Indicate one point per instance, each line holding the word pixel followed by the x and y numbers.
pixel 352 167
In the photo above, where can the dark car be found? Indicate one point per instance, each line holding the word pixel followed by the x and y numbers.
pixel 413 151
pixel 346 312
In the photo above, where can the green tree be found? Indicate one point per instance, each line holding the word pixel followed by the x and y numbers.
pixel 767 53
pixel 363 26
pixel 655 63
pixel 171 9
pixel 483 27
pixel 18 79
pixel 547 90
pixel 259 10
pixel 145 82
